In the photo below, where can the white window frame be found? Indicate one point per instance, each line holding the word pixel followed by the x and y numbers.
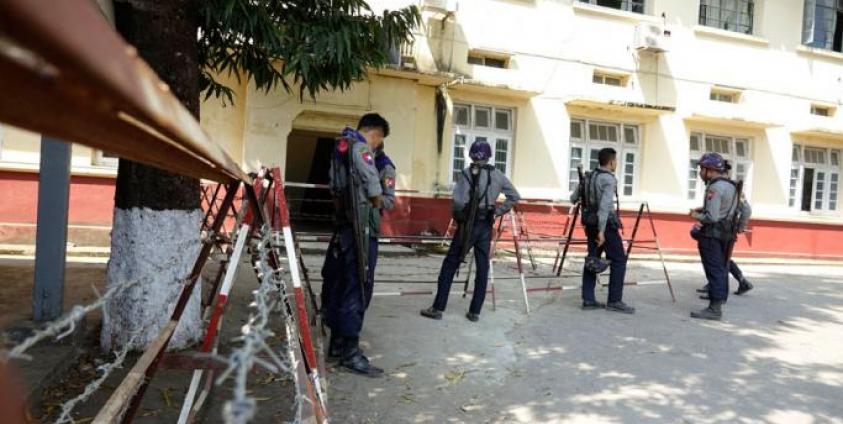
pixel 731 156
pixel 491 133
pixel 103 161
pixel 627 8
pixel 587 144
pixel 603 79
pixel 799 164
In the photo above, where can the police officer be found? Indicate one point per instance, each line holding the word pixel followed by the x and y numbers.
pixel 386 173
pixel 345 294
pixel 602 228
pixel 478 185
pixel 716 233
pixel 743 284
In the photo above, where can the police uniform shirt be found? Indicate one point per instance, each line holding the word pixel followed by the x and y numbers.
pixel 363 163
pixel 491 183
pixel 719 202
pixel 602 187
pixel 386 172
pixel 746 214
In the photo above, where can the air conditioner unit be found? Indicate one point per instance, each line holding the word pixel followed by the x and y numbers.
pixel 446 6
pixel 651 37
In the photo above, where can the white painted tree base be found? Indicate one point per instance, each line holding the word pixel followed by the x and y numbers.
pixel 158 248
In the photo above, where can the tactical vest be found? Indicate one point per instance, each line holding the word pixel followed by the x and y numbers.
pixel 345 190
pixel 483 206
pixel 723 229
pixel 590 202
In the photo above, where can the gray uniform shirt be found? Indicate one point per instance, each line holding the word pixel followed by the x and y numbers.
pixel 719 203
pixel 491 183
pixel 746 214
pixel 387 178
pixel 363 161
pixel 603 190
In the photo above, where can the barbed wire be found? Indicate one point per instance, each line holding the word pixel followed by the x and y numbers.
pixel 92 387
pixel 255 333
pixel 65 325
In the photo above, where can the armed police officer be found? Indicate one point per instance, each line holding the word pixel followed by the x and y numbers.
pixel 598 197
pixel 743 284
pixel 718 229
pixel 474 209
pixel 357 193
pixel 386 174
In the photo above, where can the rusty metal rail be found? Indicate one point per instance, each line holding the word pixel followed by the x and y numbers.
pixel 68 74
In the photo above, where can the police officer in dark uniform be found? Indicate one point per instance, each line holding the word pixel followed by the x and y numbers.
pixel 602 228
pixel 477 189
pixel 386 174
pixel 357 192
pixel 716 233
pixel 743 284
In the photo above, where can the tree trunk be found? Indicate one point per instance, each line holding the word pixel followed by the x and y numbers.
pixel 155 235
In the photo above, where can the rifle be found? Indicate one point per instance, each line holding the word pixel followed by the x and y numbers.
pixel 359 233
pixel 736 219
pixel 466 228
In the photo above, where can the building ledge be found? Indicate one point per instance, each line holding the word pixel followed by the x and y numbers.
pixel 422 77
pixel 820 53
pixel 78 171
pixel 730 35
pixel 730 120
pixel 620 106
pixel 820 132
pixel 608 12
pixel 502 90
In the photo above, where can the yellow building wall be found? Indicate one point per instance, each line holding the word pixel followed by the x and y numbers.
pixel 553 48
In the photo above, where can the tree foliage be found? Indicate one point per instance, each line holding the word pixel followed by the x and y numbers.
pixel 315 44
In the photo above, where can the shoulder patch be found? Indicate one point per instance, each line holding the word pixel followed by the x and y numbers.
pixel 367 157
pixel 710 193
pixel 390 182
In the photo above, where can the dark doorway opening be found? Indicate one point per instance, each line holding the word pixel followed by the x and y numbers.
pixel 807 189
pixel 308 161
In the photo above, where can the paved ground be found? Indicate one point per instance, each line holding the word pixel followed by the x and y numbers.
pixel 777 357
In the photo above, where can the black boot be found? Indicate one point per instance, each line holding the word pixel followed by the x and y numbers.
pixel 713 312
pixel 335 346
pixel 743 287
pixel 703 289
pixel 620 307
pixel 431 313
pixel 353 359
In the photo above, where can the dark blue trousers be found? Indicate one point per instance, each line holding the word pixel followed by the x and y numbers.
pixel 481 237
pixel 713 257
pixel 735 271
pixel 373 262
pixel 613 247
pixel 344 298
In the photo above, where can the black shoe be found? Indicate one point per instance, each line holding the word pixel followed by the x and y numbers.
pixel 431 313
pixel 361 365
pixel 335 347
pixel 589 305
pixel 703 289
pixel 353 360
pixel 620 307
pixel 744 287
pixel 712 312
pixel 473 317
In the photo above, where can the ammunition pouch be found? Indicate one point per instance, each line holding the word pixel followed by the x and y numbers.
pixel 721 230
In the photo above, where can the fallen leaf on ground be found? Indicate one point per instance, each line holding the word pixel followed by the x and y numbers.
pixel 408 398
pixel 454 377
